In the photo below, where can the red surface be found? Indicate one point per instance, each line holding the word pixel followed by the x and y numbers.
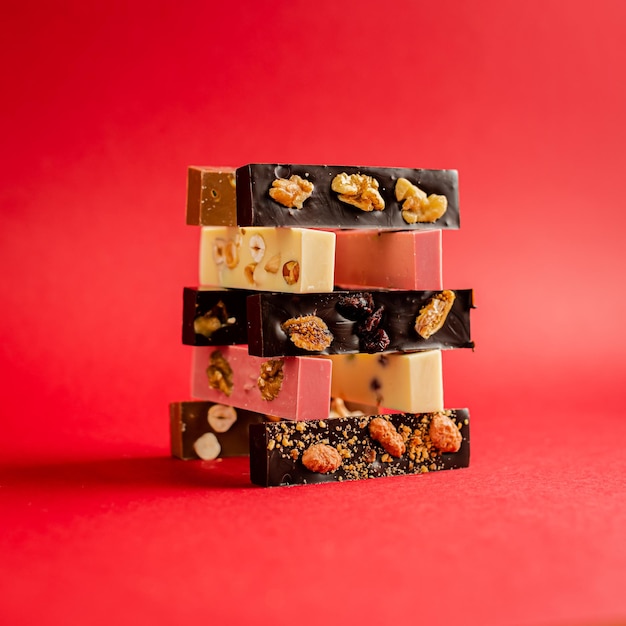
pixel 103 108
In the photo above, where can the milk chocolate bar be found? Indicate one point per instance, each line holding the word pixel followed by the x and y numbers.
pixel 214 318
pixel 294 260
pixel 291 387
pixel 411 382
pixel 329 196
pixel 211 198
pixel 356 448
pixel 348 322
pixel 374 259
pixel 208 430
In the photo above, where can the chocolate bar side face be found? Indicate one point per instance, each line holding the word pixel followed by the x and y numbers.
pixel 280 452
pixel 211 198
pixel 350 322
pixel 208 430
pixel 214 317
pixel 323 208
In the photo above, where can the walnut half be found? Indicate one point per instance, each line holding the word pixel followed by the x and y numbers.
pixel 358 190
pixel 291 192
pixel 417 205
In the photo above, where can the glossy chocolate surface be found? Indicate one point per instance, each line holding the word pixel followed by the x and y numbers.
pixel 323 209
pixel 220 314
pixel 276 449
pixel 393 314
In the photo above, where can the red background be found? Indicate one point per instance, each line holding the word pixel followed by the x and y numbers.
pixel 104 107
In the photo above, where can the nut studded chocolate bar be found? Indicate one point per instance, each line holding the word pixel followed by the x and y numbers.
pixel 358 447
pixel 329 196
pixel 348 322
pixel 209 430
pixel 211 198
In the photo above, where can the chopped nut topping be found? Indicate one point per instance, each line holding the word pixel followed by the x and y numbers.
pixel 432 316
pixel 221 417
pixel 212 320
pixel 321 458
pixel 444 433
pixel 207 447
pixel 271 379
pixel 220 373
pixel 291 272
pixel 386 434
pixel 291 192
pixel 417 206
pixel 308 332
pixel 273 265
pixel 358 190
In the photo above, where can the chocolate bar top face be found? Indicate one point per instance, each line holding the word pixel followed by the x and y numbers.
pixel 324 209
pixel 278 450
pixel 350 322
pixel 214 317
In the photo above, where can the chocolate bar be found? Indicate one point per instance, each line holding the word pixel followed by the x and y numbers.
pixel 290 387
pixel 295 260
pixel 359 447
pixel 211 198
pixel 339 197
pixel 347 322
pixel 214 318
pixel 208 430
pixel 411 382
pixel 373 259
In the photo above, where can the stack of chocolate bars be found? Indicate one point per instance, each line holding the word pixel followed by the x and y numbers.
pixel 319 323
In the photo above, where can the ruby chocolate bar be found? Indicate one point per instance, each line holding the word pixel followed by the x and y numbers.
pixel 358 447
pixel 208 430
pixel 348 322
pixel 328 196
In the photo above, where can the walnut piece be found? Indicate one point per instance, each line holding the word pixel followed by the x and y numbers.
pixel 291 272
pixel 417 206
pixel 220 373
pixel 271 379
pixel 291 192
pixel 358 190
pixel 444 433
pixel 432 316
pixel 213 320
pixel 386 434
pixel 321 458
pixel 221 417
pixel 308 332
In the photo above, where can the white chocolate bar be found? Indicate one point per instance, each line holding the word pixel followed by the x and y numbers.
pixel 303 393
pixel 291 260
pixel 369 259
pixel 410 382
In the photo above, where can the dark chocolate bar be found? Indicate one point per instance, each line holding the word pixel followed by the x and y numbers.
pixel 214 317
pixel 349 322
pixel 358 447
pixel 209 430
pixel 329 196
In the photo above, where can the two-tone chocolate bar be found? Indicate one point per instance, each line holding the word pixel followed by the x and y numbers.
pixel 344 322
pixel 358 447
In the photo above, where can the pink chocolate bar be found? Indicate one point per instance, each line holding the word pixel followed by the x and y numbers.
pixel 296 388
pixel 367 259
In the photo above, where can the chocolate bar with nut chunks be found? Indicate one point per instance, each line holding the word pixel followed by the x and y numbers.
pixel 350 322
pixel 208 430
pixel 331 196
pixel 358 447
pixel 213 317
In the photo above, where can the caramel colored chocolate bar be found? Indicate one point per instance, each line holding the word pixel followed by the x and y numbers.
pixel 357 448
pixel 370 259
pixel 350 322
pixel 211 198
pixel 410 382
pixel 208 430
pixel 338 197
pixel 293 260
pixel 214 317
pixel 292 387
